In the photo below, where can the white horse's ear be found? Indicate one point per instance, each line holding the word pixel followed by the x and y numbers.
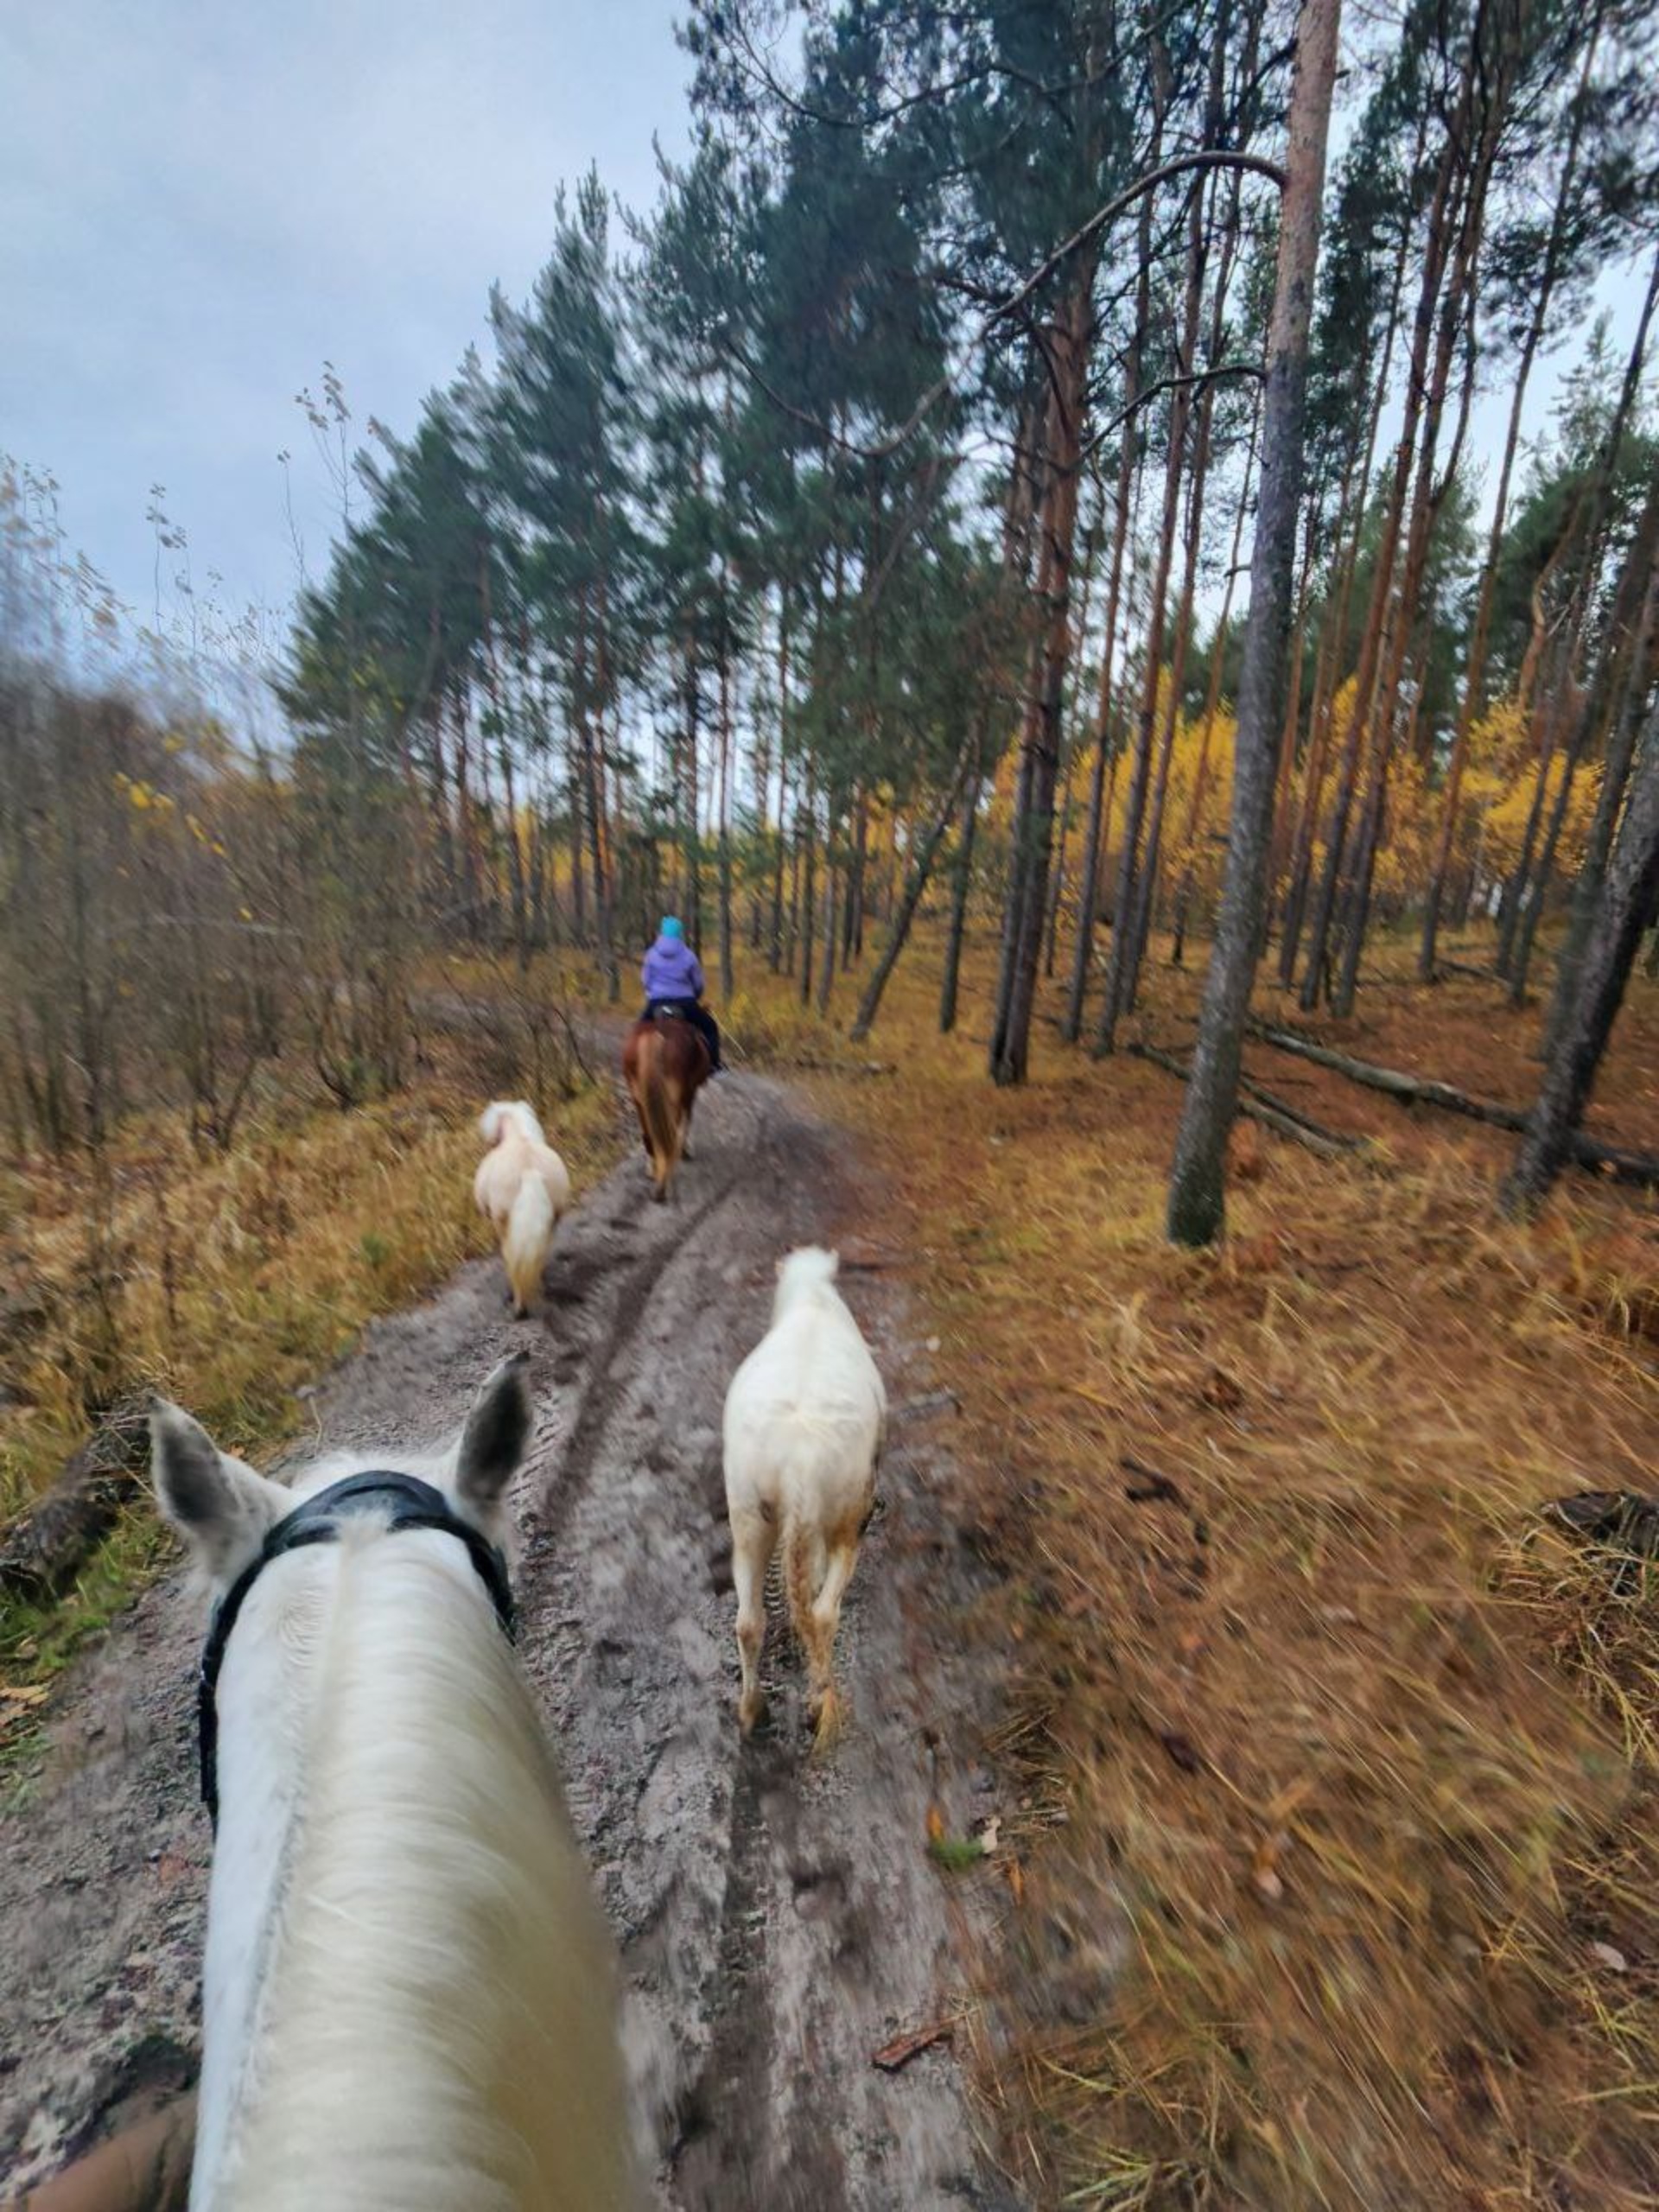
pixel 221 1508
pixel 491 1448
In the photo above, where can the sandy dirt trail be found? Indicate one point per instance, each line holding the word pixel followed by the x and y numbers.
pixel 779 1918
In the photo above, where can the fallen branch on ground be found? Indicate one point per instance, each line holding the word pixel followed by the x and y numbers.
pixel 899 2053
pixel 1639 1168
pixel 42 1549
pixel 1259 1105
pixel 813 1066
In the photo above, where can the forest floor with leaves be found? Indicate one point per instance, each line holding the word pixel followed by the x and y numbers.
pixel 1334 1883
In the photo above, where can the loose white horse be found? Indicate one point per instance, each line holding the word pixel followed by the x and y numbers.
pixel 409 1995
pixel 805 1420
pixel 521 1187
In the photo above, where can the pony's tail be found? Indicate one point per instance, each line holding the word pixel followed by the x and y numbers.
pixel 808 1267
pixel 500 1113
pixel 524 1242
pixel 657 1111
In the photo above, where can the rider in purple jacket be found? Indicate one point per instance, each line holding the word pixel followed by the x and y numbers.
pixel 672 976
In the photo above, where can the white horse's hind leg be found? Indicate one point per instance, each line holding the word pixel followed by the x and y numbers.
pixel 825 1623
pixel 754 1536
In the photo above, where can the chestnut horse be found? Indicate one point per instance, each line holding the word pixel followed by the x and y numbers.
pixel 664 1063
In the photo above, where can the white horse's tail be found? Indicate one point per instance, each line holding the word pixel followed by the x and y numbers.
pixel 804 1565
pixel 803 1570
pixel 503 1113
pixel 529 1231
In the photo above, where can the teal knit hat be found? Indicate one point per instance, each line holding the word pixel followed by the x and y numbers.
pixel 671 927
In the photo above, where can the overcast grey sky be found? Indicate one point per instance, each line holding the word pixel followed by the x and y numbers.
pixel 201 202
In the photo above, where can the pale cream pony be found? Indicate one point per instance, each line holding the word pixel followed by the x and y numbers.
pixel 410 1995
pixel 805 1420
pixel 521 1187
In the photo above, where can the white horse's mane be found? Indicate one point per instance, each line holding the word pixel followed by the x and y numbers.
pixel 397 1880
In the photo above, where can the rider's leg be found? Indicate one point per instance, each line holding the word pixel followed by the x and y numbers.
pixel 708 1030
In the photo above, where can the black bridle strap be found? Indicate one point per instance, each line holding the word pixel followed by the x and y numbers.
pixel 407 1502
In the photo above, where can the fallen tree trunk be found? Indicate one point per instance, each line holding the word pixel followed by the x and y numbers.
pixel 1259 1105
pixel 43 1548
pixel 1487 975
pixel 1640 1169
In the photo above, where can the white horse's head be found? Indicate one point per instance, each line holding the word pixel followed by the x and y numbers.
pixel 224 1509
pixel 407 1978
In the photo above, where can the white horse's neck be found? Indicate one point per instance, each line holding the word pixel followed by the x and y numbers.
pixel 407 1997
pixel 267 1693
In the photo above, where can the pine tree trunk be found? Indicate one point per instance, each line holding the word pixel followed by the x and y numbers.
pixel 775 950
pixel 809 908
pixel 687 792
pixel 794 894
pixel 1356 484
pixel 775 926
pixel 1198 252
pixel 1057 888
pixel 1428 500
pixel 1197 1196
pixel 1515 890
pixel 1153 856
pixel 916 881
pixel 1089 891
pixel 831 886
pixel 1627 909
pixel 724 803
pixel 1532 909
pixel 1585 527
pixel 1473 694
pixel 1121 963
pixel 852 940
pixel 1616 769
pixel 1372 645
pixel 1212 703
pixel 960 885
pixel 1011 1040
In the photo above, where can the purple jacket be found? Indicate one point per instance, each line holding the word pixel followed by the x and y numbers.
pixel 671 970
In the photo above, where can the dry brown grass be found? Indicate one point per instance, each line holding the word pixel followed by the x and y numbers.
pixel 231 1281
pixel 1341 1837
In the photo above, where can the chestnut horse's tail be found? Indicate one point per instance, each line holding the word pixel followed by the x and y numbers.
pixel 659 1110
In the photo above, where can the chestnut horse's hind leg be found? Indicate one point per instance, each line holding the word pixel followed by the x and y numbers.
pixel 685 1125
